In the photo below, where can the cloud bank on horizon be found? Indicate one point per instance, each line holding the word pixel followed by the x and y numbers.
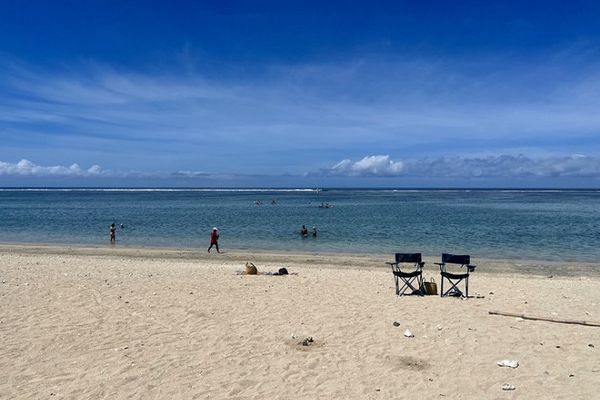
pixel 518 103
pixel 505 166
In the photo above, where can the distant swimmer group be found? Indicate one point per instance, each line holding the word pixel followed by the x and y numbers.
pixel 260 202
pixel 304 231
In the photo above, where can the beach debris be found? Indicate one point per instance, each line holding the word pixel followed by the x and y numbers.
pixel 26 283
pixel 591 345
pixel 293 336
pixel 508 363
pixel 307 341
pixel 561 321
pixel 438 327
pixel 508 386
pixel 571 375
pixel 396 323
pixel 408 333
pixel 251 269
pixel 558 347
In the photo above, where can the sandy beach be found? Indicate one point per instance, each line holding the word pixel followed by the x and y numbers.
pixel 116 323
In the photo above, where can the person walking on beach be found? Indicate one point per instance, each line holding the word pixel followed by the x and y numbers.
pixel 214 239
pixel 112 233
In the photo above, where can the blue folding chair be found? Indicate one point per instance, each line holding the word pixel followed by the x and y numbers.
pixel 464 261
pixel 409 280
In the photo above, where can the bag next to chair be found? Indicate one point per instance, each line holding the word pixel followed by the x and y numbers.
pixel 430 287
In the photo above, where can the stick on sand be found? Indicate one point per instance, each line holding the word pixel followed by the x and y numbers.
pixel 561 321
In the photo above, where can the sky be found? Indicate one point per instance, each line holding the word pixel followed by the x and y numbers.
pixel 300 94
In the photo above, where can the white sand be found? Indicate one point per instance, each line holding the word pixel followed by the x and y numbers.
pixel 88 323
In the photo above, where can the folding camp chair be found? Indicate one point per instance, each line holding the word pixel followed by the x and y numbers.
pixel 454 279
pixel 408 278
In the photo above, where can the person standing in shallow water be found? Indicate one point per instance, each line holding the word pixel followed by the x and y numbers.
pixel 303 231
pixel 112 233
pixel 214 239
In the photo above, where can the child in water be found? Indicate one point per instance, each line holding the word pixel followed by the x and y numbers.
pixel 112 233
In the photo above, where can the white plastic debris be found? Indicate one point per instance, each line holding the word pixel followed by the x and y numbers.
pixel 408 333
pixel 508 363
pixel 508 386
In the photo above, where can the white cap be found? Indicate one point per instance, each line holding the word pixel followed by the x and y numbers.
pixel 215 229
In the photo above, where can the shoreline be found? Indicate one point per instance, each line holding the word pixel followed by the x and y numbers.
pixel 377 261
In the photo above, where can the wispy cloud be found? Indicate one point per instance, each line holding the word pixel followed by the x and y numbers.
pixel 303 117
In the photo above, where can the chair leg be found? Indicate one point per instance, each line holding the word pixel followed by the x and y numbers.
pixel 453 286
pixel 408 284
pixel 442 287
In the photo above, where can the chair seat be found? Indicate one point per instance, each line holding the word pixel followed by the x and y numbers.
pixel 407 274
pixel 411 281
pixel 454 276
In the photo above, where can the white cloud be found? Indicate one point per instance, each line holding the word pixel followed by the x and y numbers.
pixel 501 166
pixel 485 167
pixel 27 168
pixel 369 166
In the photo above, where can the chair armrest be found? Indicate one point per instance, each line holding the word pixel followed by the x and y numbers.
pixel 471 268
pixel 422 264
pixel 392 263
pixel 440 263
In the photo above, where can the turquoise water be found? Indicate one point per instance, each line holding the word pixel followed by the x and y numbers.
pixel 535 224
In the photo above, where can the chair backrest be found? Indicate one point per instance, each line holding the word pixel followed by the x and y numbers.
pixel 408 257
pixel 456 259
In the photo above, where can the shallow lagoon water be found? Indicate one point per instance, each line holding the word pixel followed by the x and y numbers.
pixel 524 224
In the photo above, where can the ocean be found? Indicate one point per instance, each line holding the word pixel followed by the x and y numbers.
pixel 498 224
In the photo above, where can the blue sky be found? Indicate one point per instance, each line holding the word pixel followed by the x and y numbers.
pixel 218 93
